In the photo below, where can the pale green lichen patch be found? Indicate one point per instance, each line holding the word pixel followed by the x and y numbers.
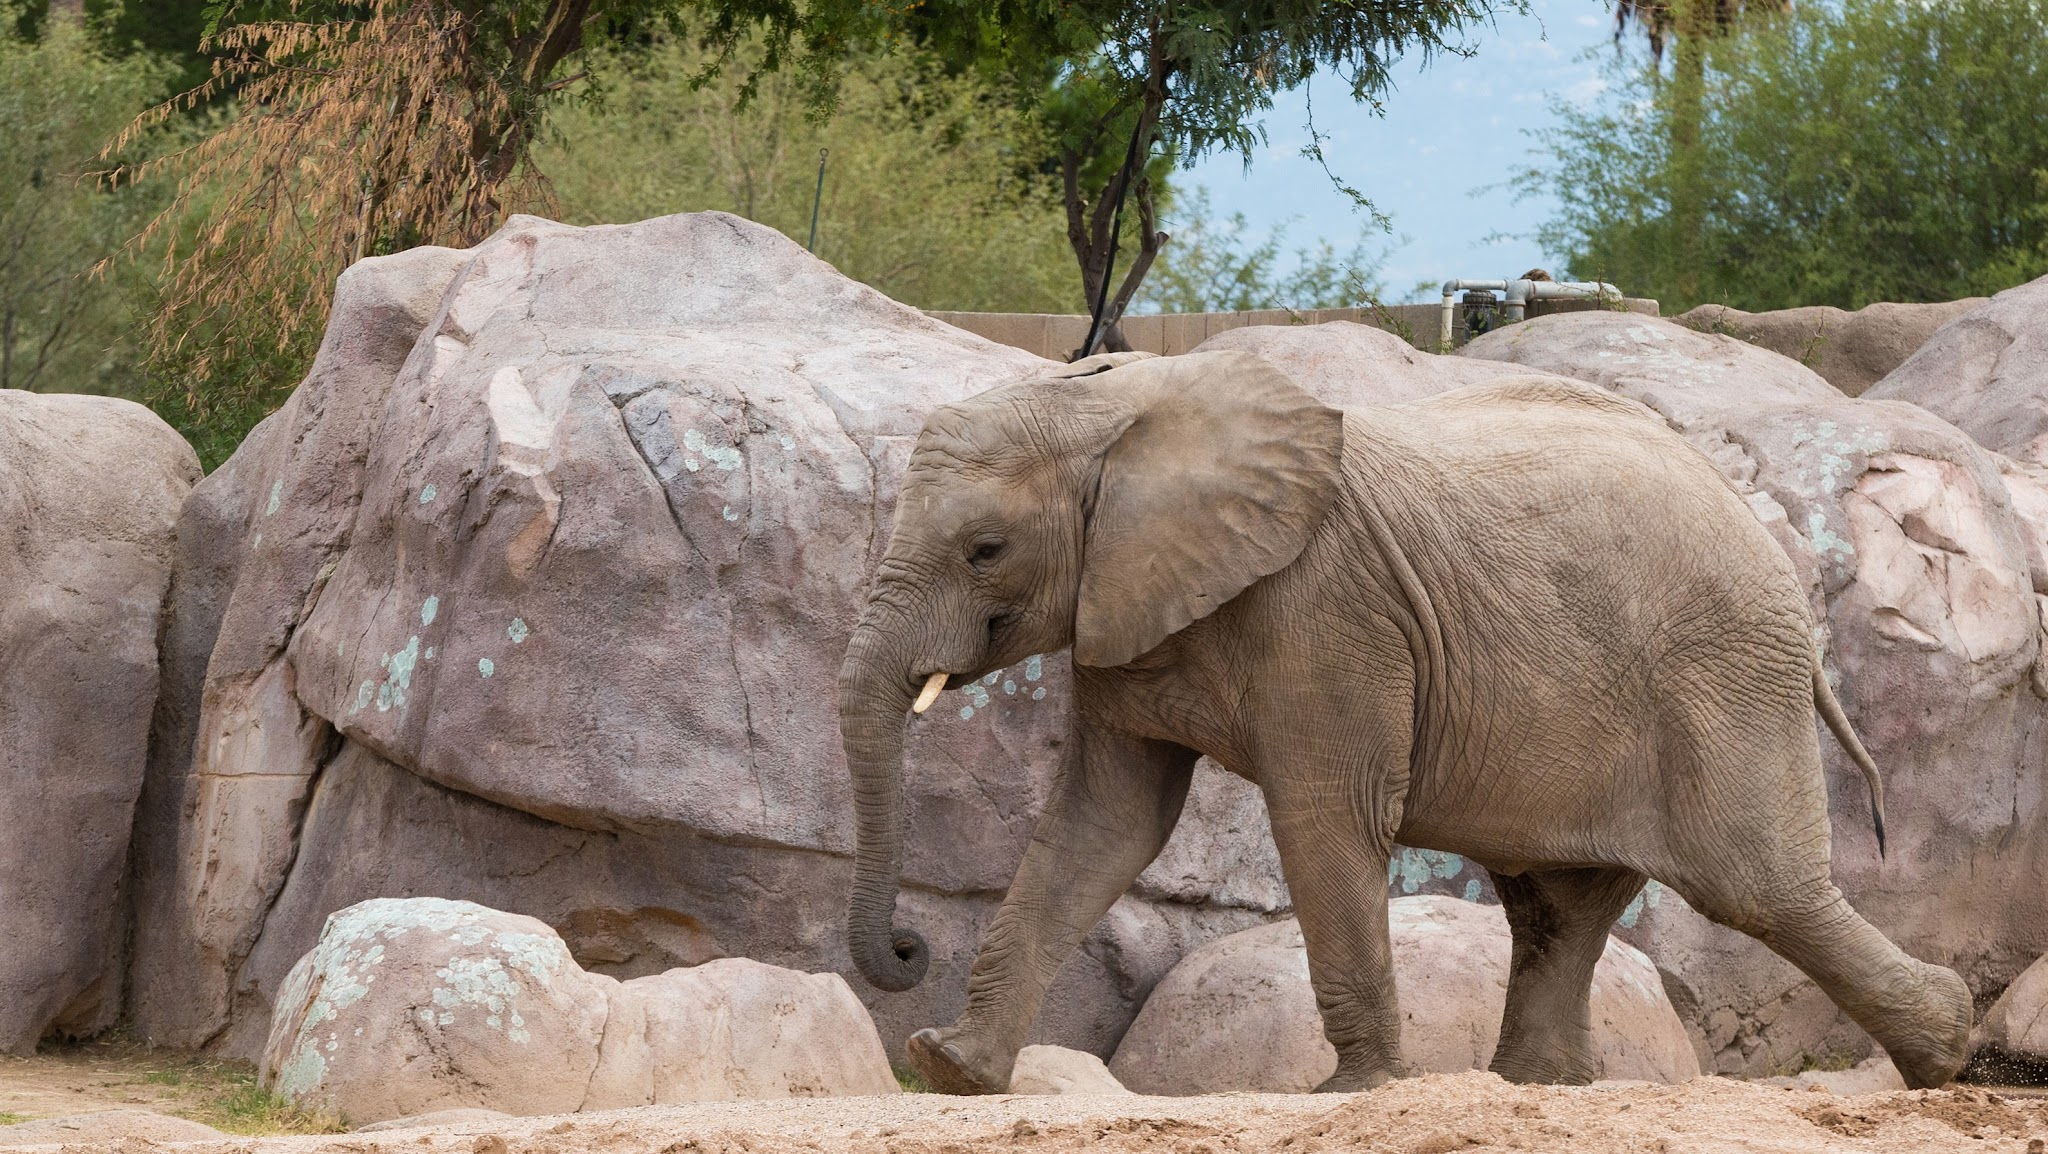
pixel 484 668
pixel 276 495
pixel 398 667
pixel 1412 868
pixel 725 458
pixel 517 631
pixel 428 608
pixel 1826 541
pixel 427 493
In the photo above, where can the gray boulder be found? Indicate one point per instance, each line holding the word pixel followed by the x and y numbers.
pixel 1922 554
pixel 2014 1032
pixel 534 595
pixel 1239 1014
pixel 89 490
pixel 1986 372
pixel 1850 350
pixel 420 1006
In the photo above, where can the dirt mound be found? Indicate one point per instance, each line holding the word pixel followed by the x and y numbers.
pixel 1436 1114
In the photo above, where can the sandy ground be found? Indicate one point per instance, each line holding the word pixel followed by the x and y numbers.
pixel 1431 1115
pixel 82 1079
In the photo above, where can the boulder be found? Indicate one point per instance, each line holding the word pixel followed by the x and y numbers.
pixel 1850 350
pixel 1922 554
pixel 1239 1014
pixel 735 1028
pixel 2014 1032
pixel 535 594
pixel 107 1130
pixel 1986 372
pixel 412 1006
pixel 89 491
pixel 1058 1070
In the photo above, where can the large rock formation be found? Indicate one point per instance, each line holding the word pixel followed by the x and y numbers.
pixel 411 1006
pixel 89 490
pixel 1850 351
pixel 1923 554
pixel 1986 371
pixel 1239 1014
pixel 534 595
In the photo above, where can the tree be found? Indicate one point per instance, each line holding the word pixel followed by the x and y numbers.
pixel 1127 84
pixel 1691 26
pixel 1872 150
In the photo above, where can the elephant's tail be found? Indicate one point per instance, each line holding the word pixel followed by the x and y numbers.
pixel 1838 724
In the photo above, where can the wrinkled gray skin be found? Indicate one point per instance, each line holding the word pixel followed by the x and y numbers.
pixel 1521 622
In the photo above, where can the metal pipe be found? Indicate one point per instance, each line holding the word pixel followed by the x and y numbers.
pixel 1518 294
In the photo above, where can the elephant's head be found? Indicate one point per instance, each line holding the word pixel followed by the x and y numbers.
pixel 1102 511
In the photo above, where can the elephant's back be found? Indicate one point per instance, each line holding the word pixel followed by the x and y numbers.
pixel 1602 595
pixel 1554 510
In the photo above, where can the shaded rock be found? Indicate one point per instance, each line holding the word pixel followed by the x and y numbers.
pixel 1850 350
pixel 545 612
pixel 1921 553
pixel 1058 1070
pixel 89 490
pixel 1986 372
pixel 1239 1014
pixel 1873 1075
pixel 105 1128
pixel 436 1119
pixel 411 1006
pixel 2016 1025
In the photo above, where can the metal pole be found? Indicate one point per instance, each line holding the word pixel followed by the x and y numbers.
pixel 812 244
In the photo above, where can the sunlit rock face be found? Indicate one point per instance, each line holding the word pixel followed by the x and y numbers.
pixel 89 490
pixel 1922 553
pixel 1850 350
pixel 1986 371
pixel 535 594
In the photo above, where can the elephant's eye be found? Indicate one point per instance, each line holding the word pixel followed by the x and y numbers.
pixel 985 553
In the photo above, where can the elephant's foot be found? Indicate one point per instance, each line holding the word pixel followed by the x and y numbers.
pixel 1550 1057
pixel 950 1064
pixel 1355 1076
pixel 1929 1047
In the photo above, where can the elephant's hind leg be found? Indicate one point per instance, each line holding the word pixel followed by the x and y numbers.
pixel 1919 1013
pixel 1559 920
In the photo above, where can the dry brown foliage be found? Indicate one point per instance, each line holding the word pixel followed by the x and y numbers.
pixel 346 138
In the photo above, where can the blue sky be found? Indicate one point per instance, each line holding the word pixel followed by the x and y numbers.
pixel 1450 128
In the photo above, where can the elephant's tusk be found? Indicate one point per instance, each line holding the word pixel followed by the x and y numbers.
pixel 933 686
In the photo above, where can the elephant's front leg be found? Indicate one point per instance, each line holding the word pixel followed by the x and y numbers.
pixel 1334 845
pixel 1113 805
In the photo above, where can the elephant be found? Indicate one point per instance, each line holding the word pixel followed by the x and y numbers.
pixel 1523 622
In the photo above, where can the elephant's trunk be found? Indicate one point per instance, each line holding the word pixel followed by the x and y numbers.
pixel 874 695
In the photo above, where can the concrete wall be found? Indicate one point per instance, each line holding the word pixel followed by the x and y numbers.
pixel 1056 336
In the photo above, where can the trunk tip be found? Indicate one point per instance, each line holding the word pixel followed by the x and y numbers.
pixel 899 965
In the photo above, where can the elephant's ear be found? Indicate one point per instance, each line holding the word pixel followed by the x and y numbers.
pixel 1222 472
